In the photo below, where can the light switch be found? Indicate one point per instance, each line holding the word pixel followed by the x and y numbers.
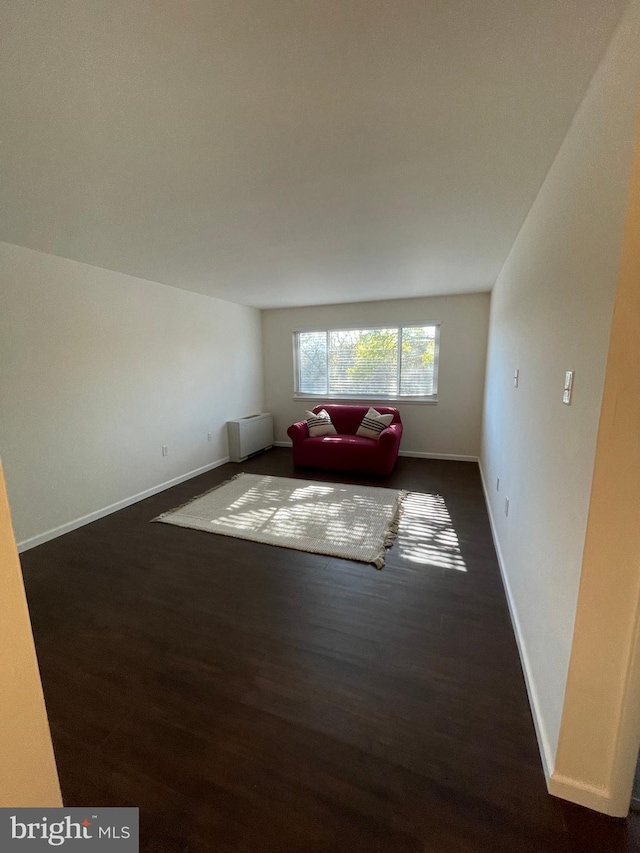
pixel 516 377
pixel 568 387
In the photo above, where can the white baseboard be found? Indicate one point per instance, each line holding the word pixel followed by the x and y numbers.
pixel 543 741
pixel 413 453
pixel 453 457
pixel 107 510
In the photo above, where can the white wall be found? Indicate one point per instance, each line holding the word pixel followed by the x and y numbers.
pixel 551 311
pixel 452 427
pixel 98 370
pixel 600 730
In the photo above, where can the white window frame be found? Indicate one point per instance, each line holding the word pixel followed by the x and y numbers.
pixel 423 399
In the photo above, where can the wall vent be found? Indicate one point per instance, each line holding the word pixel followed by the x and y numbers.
pixel 249 435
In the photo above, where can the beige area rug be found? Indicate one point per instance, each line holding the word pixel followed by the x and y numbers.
pixel 354 522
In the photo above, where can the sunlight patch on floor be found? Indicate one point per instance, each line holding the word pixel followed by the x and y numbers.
pixel 427 534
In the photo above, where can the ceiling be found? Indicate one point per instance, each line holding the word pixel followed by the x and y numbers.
pixel 288 152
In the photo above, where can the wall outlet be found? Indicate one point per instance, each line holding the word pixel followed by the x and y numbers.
pixel 498 484
pixel 165 449
pixel 209 436
pixel 506 506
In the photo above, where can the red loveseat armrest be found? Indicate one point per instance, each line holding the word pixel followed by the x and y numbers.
pixel 390 437
pixel 298 432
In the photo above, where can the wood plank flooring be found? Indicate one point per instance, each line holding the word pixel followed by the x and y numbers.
pixel 255 699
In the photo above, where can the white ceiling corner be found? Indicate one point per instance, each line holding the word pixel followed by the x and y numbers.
pixel 288 152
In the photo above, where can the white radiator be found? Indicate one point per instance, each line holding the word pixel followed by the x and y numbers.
pixel 249 435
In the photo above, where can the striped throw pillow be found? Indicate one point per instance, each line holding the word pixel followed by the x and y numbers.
pixel 320 424
pixel 373 423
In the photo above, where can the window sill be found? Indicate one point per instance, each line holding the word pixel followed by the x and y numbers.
pixel 369 401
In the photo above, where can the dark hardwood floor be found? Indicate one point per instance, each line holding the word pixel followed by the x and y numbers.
pixel 255 699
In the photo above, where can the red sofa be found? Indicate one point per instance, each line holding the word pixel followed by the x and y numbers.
pixel 347 451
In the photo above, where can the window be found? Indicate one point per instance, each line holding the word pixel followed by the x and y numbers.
pixel 385 363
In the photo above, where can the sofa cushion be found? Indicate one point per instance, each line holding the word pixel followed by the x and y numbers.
pixel 347 417
pixel 351 441
pixel 373 423
pixel 319 423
